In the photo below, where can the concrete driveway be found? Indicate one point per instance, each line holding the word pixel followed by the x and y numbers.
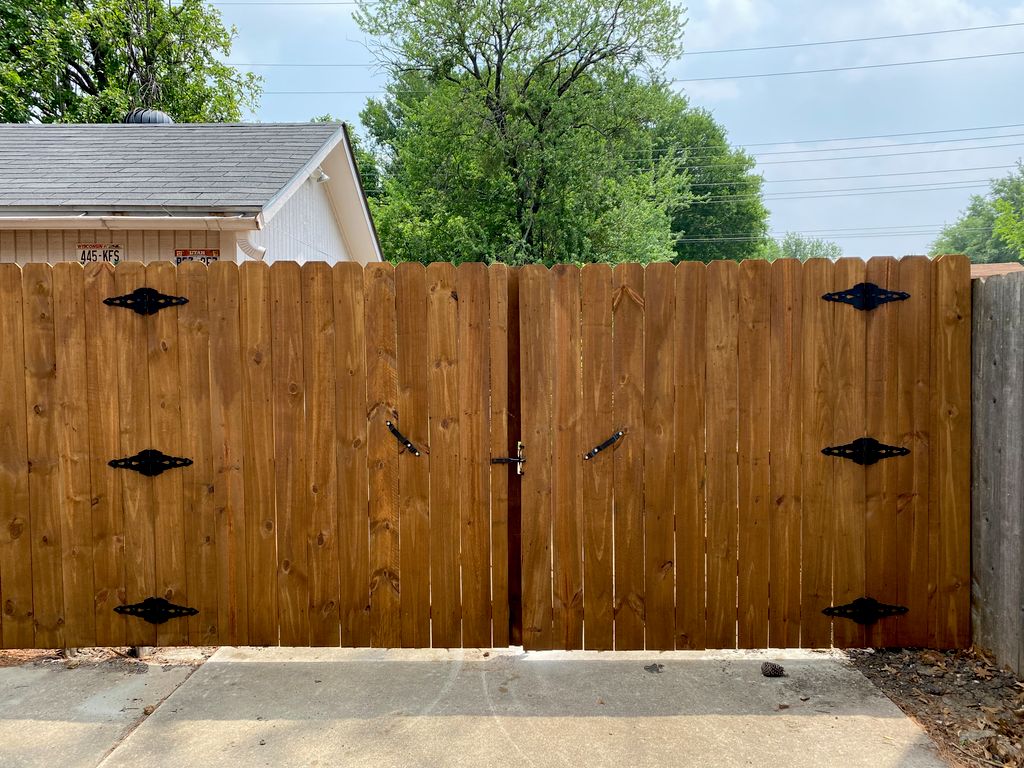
pixel 316 707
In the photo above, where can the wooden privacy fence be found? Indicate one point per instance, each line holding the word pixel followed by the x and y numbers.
pixel 339 455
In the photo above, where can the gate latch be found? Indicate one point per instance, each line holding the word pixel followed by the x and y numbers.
pixel 518 459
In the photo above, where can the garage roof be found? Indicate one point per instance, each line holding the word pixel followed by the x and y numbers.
pixel 215 168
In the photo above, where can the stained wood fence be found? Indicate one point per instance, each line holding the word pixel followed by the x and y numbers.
pixel 342 424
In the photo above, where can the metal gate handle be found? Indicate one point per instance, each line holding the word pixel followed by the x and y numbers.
pixel 606 444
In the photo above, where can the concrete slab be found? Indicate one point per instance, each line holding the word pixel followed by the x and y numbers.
pixel 73 716
pixel 310 707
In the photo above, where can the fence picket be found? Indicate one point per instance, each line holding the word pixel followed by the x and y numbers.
pixel 414 471
pixel 786 479
pixel 102 394
pixel 73 454
pixel 722 430
pixel 318 349
pixel 567 462
pixel 754 404
pixel 628 340
pixel 15 509
pixel 382 455
pixel 598 423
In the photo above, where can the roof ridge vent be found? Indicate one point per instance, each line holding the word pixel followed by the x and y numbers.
pixel 142 116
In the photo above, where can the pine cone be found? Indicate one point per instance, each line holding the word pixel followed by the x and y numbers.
pixel 771 669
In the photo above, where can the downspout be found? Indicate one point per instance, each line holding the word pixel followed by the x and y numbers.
pixel 251 249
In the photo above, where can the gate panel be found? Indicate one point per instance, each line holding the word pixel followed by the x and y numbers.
pixel 676 492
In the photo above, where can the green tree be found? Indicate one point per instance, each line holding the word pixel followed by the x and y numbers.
pixel 726 217
pixel 95 60
pixel 527 130
pixel 1009 225
pixel 976 232
pixel 796 246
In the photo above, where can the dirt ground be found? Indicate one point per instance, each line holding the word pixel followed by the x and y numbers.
pixel 972 709
pixel 192 657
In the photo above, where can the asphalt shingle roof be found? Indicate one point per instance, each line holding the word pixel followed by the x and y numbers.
pixel 214 167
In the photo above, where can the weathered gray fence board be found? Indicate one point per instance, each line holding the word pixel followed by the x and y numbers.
pixel 998 468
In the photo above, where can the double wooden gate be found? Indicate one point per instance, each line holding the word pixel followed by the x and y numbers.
pixel 339 455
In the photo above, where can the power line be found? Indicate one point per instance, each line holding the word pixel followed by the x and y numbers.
pixel 854 176
pixel 825 234
pixel 851 40
pixel 701 79
pixel 864 157
pixel 711 152
pixel 846 69
pixel 803 193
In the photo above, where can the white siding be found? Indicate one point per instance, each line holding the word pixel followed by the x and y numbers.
pixel 23 246
pixel 305 229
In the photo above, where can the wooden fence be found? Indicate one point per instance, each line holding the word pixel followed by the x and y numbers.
pixel 341 425
pixel 998 470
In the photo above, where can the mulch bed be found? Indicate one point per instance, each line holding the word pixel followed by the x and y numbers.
pixel 970 707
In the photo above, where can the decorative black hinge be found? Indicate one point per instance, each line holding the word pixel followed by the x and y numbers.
pixel 865 610
pixel 518 459
pixel 156 610
pixel 402 439
pixel 606 444
pixel 145 301
pixel 865 450
pixel 866 296
pixel 150 462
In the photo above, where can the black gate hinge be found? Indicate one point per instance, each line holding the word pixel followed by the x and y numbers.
pixel 150 462
pixel 155 610
pixel 864 610
pixel 865 451
pixel 866 296
pixel 145 301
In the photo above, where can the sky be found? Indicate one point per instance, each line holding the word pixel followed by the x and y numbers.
pixel 800 127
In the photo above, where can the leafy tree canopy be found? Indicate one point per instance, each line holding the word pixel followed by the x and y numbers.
pixel 535 130
pixel 796 246
pixel 990 229
pixel 95 60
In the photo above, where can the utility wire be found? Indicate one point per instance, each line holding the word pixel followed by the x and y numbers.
pixel 706 152
pixel 760 180
pixel 698 79
pixel 852 40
